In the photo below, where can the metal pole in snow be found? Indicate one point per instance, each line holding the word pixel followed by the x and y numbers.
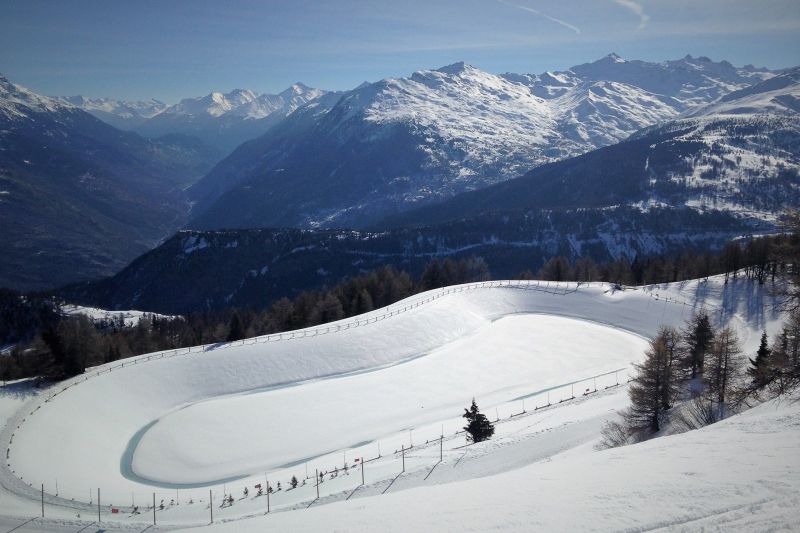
pixel 154 507
pixel 441 446
pixel 42 500
pixel 210 504
pixel 362 471
pixel 98 504
pixel 267 496
pixel 316 471
pixel 403 451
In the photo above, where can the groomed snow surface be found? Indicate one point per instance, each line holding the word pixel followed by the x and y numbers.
pixel 219 418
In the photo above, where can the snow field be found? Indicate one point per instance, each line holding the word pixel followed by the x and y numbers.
pixel 225 437
pixel 221 418
pixel 741 475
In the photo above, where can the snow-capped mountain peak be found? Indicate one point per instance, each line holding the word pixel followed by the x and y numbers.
pixel 18 101
pixel 119 113
pixel 457 68
pixel 779 95
pixel 227 119
pixel 439 132
pixel 613 57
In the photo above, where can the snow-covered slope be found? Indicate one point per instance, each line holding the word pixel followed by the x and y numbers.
pixel 739 475
pixel 220 416
pixel 225 120
pixel 403 142
pixel 18 102
pixel 121 114
pixel 740 154
pixel 779 95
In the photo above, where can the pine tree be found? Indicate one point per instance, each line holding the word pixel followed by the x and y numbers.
pixel 236 329
pixel 362 303
pixel 653 389
pixel 761 367
pixel 698 335
pixel 478 427
pixel 293 482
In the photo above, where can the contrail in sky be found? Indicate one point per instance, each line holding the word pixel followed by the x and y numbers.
pixel 567 25
pixel 637 8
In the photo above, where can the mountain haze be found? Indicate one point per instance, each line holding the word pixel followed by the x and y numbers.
pixel 79 198
pixel 226 120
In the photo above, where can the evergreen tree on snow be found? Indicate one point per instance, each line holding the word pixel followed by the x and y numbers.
pixel 699 334
pixel 293 482
pixel 478 427
pixel 761 367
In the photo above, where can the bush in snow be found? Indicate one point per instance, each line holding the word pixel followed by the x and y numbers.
pixel 478 427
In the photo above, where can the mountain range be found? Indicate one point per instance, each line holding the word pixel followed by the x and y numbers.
pixel 121 114
pixel 740 154
pixel 401 143
pixel 443 152
pixel 220 120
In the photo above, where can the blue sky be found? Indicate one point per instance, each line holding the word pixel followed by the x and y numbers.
pixel 171 49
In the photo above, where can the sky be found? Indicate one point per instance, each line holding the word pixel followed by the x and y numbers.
pixel 172 49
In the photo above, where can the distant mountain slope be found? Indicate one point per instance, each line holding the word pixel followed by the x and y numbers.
pixel 227 120
pixel 740 154
pixel 79 198
pixel 400 143
pixel 779 95
pixel 120 114
pixel 195 270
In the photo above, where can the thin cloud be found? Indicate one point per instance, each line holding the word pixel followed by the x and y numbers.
pixel 567 25
pixel 637 9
